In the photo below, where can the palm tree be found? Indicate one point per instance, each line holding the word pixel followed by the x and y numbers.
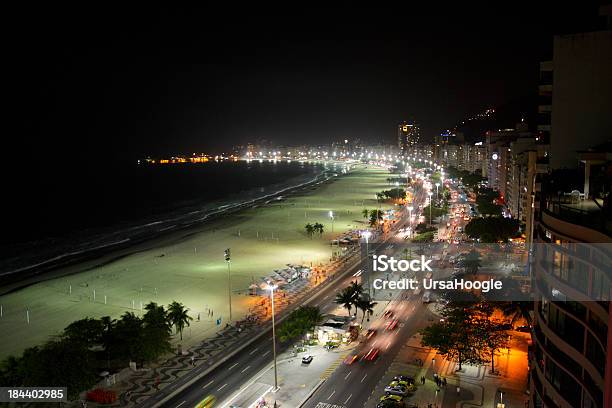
pixel 365 213
pixel 310 229
pixel 346 299
pixel 178 317
pixel 375 216
pixel 318 228
pixel 366 306
pixel 356 288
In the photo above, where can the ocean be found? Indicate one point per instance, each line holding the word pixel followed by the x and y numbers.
pixel 91 213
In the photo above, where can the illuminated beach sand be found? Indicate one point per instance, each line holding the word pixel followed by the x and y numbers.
pixel 189 266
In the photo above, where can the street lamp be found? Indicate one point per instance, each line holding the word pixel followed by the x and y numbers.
pixel 410 209
pixel 366 234
pixel 331 215
pixel 271 287
pixel 430 204
pixel 437 185
pixel 229 281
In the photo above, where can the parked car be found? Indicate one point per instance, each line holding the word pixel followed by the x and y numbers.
pixel 396 390
pixel 307 359
pixel 391 401
pixel 408 379
pixel 524 329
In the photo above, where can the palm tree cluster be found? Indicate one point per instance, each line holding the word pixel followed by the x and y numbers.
pixel 96 345
pixel 353 296
pixel 311 229
pixel 299 322
pixel 374 216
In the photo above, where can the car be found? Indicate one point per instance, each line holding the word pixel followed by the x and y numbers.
pixel 390 404
pixel 207 402
pixel 370 333
pixel 372 354
pixel 398 384
pixel 391 401
pixel 307 359
pixel 396 398
pixel 524 329
pixel 351 358
pixel 406 378
pixel 397 390
pixel 391 324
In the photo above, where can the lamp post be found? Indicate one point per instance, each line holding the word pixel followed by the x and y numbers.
pixel 366 234
pixel 430 204
pixel 271 288
pixel 437 185
pixel 331 215
pixel 229 281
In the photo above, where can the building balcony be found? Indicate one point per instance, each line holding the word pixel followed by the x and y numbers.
pixel 545 90
pixel 544 108
pixel 582 220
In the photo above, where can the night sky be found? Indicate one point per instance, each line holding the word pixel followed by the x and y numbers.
pixel 90 90
pixel 137 81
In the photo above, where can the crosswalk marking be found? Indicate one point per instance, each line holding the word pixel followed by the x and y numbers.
pixel 329 370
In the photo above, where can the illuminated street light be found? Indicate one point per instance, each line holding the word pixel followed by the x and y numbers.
pixel 437 185
pixel 271 288
pixel 367 234
pixel 430 204
pixel 331 215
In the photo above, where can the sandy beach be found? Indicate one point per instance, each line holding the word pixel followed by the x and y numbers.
pixel 188 265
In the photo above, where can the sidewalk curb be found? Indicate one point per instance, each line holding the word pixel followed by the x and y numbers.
pixel 236 351
pixel 307 397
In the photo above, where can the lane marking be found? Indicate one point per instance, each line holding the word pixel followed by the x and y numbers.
pixel 247 367
pixel 222 387
pixel 266 353
pixel 331 395
pixel 347 376
pixel 364 377
pixel 254 351
pixel 347 400
pixel 211 381
pixel 181 404
pixel 232 366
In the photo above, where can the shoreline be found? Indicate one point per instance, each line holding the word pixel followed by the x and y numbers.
pixel 188 265
pixel 118 248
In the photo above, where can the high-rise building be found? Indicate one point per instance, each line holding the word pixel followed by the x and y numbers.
pixel 571 364
pixel 580 94
pixel 408 136
pixel 571 357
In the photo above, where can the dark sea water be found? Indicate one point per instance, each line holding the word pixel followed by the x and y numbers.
pixel 74 201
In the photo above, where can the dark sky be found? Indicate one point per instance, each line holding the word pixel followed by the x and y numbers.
pixel 120 83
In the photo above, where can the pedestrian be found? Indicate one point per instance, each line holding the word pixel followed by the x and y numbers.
pixel 458 390
pixel 193 361
pixel 198 317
